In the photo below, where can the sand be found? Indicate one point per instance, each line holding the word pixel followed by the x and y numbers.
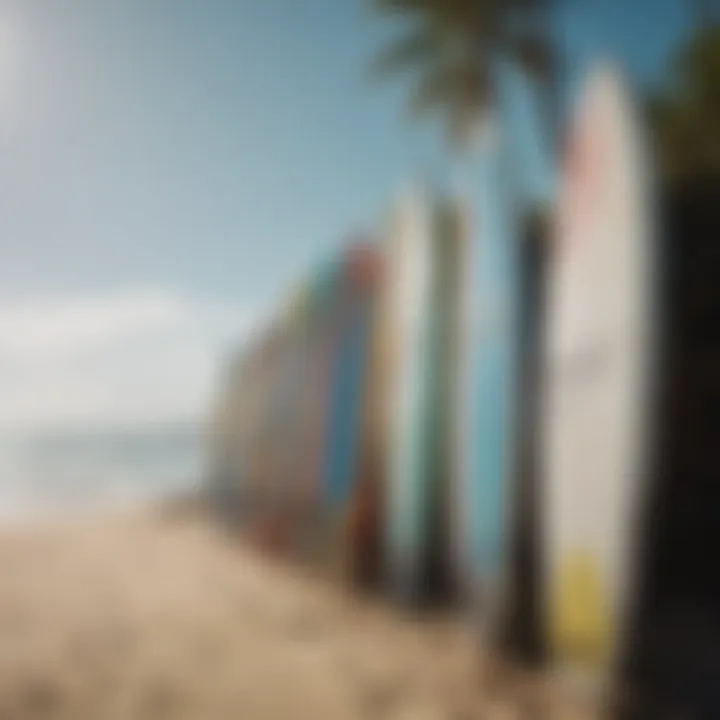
pixel 145 614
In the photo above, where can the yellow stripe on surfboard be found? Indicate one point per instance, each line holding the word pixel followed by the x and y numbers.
pixel 581 626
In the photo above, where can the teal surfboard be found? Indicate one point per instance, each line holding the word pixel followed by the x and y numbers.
pixel 348 379
pixel 510 179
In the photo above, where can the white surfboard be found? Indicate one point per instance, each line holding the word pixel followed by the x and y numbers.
pixel 408 493
pixel 598 363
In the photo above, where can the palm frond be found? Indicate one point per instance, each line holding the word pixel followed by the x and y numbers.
pixel 533 54
pixel 463 93
pixel 453 46
pixel 431 92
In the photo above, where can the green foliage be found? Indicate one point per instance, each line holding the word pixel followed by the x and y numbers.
pixel 685 114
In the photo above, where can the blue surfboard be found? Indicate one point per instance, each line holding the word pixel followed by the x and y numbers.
pixel 345 411
pixel 347 395
pixel 498 460
pixel 491 367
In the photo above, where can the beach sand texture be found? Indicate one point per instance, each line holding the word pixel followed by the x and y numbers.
pixel 146 614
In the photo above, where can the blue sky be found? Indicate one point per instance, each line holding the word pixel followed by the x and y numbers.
pixel 197 156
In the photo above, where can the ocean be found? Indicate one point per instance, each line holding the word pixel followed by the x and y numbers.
pixel 53 472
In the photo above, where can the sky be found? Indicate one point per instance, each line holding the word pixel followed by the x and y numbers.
pixel 169 167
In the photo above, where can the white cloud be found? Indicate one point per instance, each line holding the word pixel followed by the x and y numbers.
pixel 37 326
pixel 123 358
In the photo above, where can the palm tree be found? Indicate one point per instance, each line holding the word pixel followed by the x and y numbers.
pixel 453 47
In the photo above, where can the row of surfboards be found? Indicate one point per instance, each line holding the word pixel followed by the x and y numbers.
pixel 387 420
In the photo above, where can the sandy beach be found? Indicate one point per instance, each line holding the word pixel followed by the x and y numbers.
pixel 149 614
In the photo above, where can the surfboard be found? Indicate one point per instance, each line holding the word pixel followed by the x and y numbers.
pixel 290 381
pixel 598 362
pixel 367 520
pixel 225 445
pixel 489 358
pixel 449 248
pixel 348 384
pixel 320 351
pixel 427 250
pixel 265 438
pixel 346 398
pixel 408 518
pixel 347 380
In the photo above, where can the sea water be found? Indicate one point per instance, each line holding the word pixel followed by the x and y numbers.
pixel 50 472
